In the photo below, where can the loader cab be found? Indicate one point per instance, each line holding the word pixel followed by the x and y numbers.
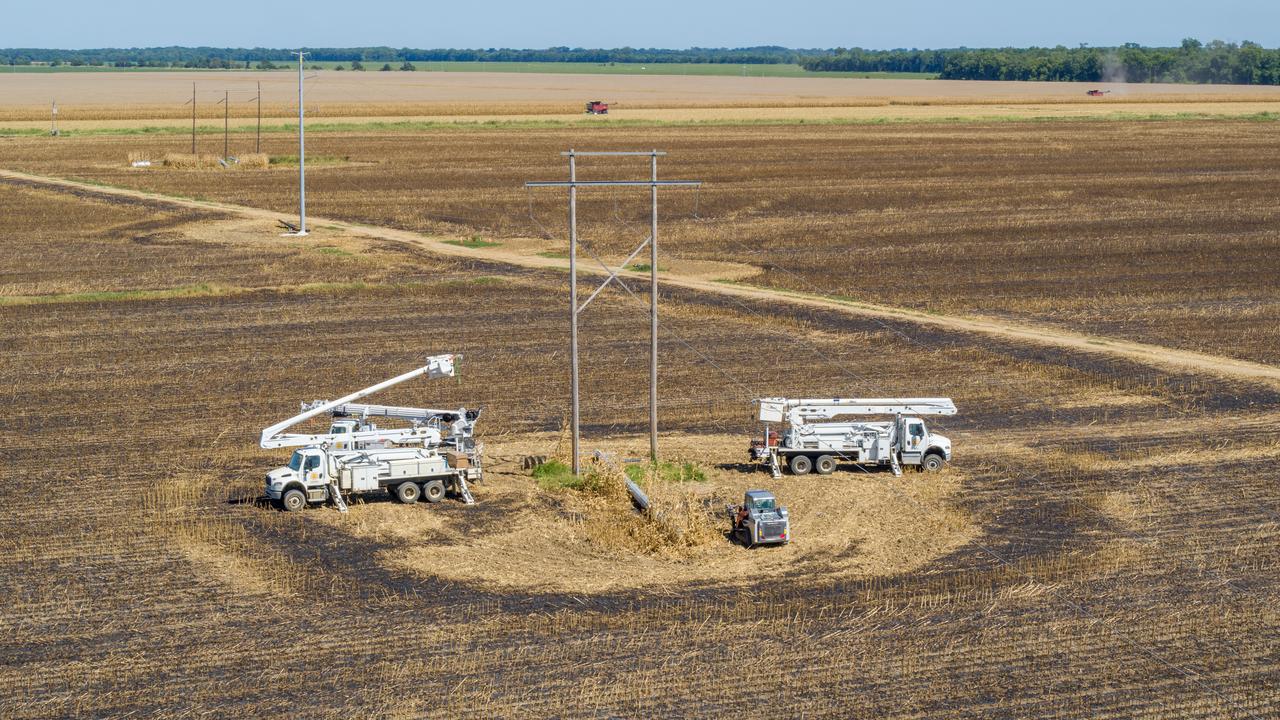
pixel 760 500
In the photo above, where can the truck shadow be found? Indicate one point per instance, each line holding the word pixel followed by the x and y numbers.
pixel 744 468
pixel 749 468
pixel 256 501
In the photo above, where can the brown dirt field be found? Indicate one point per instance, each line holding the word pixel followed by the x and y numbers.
pixel 127 97
pixel 1155 232
pixel 1099 569
pixel 878 112
pixel 152 88
pixel 699 276
pixel 546 543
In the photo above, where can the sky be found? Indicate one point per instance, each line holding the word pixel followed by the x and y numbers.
pixel 656 23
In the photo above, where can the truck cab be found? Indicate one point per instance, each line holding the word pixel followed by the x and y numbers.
pixel 343 427
pixel 306 472
pixel 920 447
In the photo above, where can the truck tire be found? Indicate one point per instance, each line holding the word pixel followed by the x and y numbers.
pixel 433 491
pixel 293 500
pixel 800 464
pixel 407 493
pixel 932 462
pixel 825 465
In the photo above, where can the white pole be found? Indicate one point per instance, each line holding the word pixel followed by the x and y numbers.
pixel 302 156
pixel 573 304
pixel 653 310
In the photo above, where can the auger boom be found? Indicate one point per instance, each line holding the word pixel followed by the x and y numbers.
pixel 437 366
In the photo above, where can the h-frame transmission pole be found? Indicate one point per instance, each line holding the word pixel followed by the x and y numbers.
pixel 575 309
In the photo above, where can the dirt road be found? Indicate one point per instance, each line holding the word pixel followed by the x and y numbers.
pixel 1155 355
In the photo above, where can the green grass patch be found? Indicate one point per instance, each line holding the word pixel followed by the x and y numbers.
pixel 329 250
pixel 644 267
pixel 474 241
pixel 665 471
pixel 555 475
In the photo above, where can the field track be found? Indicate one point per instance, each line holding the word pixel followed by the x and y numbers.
pixel 1141 352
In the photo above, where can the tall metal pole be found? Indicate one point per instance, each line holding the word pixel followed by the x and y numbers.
pixel 653 310
pixel 193 118
pixel 573 302
pixel 257 147
pixel 53 119
pixel 302 156
pixel 226 121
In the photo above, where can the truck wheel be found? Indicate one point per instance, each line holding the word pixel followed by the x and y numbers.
pixel 408 493
pixel 433 491
pixel 933 462
pixel 293 500
pixel 800 464
pixel 825 465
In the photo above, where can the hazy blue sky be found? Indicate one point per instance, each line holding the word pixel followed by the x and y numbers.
pixel 657 23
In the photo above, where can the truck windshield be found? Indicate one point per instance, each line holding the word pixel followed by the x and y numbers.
pixel 764 504
pixel 295 462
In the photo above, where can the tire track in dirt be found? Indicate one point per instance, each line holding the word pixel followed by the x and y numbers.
pixel 1155 355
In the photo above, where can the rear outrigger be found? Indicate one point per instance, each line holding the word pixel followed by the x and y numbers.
pixel 806 445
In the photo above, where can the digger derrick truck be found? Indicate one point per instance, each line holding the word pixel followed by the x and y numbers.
pixel 356 456
pixel 807 443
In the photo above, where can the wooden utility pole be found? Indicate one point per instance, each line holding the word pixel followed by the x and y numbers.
pixel 575 309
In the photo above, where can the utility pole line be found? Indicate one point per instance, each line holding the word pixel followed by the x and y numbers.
pixel 302 156
pixel 575 309
pixel 573 302
pixel 226 121
pixel 653 309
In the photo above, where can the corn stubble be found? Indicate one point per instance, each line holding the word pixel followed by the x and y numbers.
pixel 1081 559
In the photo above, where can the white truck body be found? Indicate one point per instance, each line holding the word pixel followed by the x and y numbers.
pixel 805 444
pixel 318 471
pixel 355 456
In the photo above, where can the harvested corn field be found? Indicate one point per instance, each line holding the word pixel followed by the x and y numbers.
pixel 1157 232
pixel 1104 545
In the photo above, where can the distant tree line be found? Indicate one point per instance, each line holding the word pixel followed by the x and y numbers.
pixel 209 57
pixel 1191 62
pixel 1246 63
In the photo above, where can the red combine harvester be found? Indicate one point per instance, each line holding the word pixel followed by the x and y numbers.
pixel 1098 93
pixel 595 107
